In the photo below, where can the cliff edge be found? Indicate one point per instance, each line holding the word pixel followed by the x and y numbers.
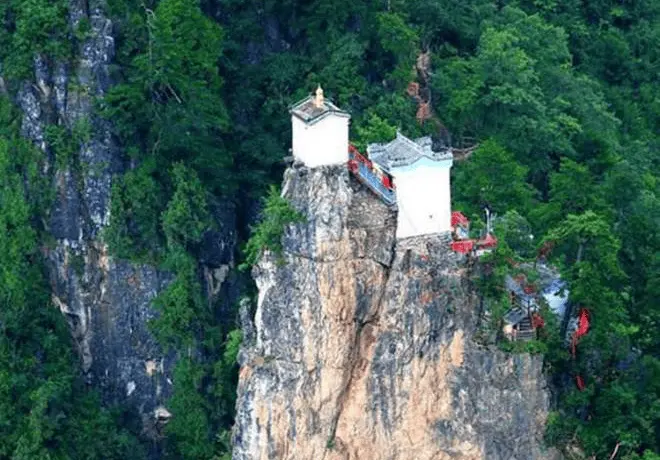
pixel 361 345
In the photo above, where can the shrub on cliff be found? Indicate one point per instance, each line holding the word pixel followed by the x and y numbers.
pixel 187 216
pixel 267 235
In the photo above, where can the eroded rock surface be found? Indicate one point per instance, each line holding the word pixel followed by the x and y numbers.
pixel 107 302
pixel 362 346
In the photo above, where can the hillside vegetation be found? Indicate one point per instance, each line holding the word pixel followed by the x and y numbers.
pixel 562 96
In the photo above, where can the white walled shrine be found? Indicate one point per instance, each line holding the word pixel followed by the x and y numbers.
pixel 423 184
pixel 319 132
pixel 420 175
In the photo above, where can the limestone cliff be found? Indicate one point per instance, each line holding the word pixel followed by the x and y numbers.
pixel 107 302
pixel 362 346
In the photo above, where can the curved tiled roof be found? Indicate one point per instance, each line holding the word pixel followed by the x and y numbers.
pixel 402 151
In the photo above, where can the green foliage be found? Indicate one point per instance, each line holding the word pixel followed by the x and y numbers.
pixel 374 130
pixel 170 114
pixel 516 89
pixel 83 29
pixel 234 339
pixel 587 238
pixel 492 177
pixel 341 75
pixel 67 142
pixel 533 347
pixel 137 201
pixel 563 96
pixel 497 265
pixel 589 253
pixel 224 373
pixel 190 425
pixel 401 42
pixel 169 107
pixel 224 446
pixel 516 231
pixel 187 216
pixel 61 143
pixel 330 443
pixel 206 372
pixel 572 191
pixel 277 213
pixel 32 27
pixel 181 316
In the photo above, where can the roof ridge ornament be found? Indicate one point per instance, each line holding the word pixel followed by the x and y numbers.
pixel 319 100
pixel 315 107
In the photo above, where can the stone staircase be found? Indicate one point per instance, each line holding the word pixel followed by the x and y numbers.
pixel 518 316
pixel 525 330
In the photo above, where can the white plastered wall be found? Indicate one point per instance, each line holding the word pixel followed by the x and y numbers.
pixel 322 143
pixel 423 196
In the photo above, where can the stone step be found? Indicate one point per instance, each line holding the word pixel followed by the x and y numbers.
pixel 525 335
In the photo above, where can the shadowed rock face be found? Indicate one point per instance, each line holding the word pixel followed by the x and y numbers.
pixel 107 302
pixel 362 346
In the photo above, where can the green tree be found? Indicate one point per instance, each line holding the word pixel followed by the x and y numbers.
pixel 516 231
pixel 170 107
pixel 492 177
pixel 267 235
pixel 181 315
pixel 401 42
pixel 190 426
pixel 573 190
pixel 187 216
pixel 517 88
pixel 342 72
pixel 374 130
pixel 137 202
pixel 589 251
pixel 32 28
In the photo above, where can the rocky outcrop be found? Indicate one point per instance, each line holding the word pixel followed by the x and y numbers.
pixel 107 304
pixel 362 346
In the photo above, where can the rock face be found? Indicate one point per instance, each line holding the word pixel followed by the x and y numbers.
pixel 107 302
pixel 362 346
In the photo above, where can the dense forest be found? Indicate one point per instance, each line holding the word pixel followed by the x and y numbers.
pixel 563 98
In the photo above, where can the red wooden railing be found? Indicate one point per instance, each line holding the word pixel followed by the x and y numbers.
pixel 377 180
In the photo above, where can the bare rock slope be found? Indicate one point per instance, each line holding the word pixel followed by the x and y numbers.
pixel 361 346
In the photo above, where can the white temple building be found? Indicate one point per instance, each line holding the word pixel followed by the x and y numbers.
pixel 405 173
pixel 422 180
pixel 320 132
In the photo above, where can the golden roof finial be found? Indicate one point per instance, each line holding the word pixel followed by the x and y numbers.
pixel 319 100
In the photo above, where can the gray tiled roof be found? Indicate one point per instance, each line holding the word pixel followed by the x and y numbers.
pixel 307 111
pixel 514 316
pixel 402 151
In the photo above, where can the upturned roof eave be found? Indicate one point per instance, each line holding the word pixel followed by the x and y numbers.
pixel 382 154
pixel 316 119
